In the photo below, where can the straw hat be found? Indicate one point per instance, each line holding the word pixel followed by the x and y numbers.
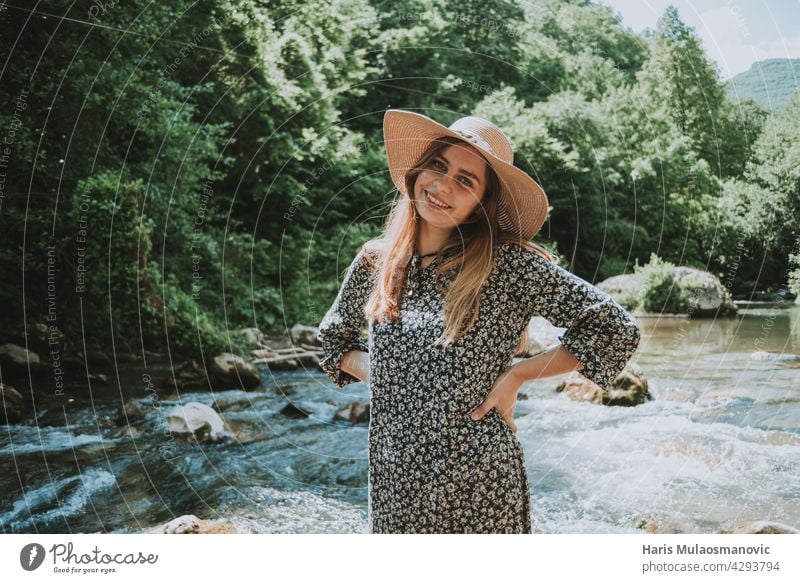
pixel 523 204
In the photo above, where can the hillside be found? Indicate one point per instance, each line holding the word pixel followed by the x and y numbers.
pixel 771 82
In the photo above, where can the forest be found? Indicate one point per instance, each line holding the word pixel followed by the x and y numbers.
pixel 172 172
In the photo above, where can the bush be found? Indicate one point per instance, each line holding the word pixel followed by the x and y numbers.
pixel 192 330
pixel 794 274
pixel 659 290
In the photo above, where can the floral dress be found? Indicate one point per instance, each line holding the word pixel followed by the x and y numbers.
pixel 431 468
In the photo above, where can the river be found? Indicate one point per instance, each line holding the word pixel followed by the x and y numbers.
pixel 718 447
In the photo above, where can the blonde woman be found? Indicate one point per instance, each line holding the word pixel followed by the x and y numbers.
pixel 447 293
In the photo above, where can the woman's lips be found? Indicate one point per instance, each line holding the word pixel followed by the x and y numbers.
pixel 429 200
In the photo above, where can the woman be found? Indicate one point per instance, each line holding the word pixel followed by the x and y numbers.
pixel 447 294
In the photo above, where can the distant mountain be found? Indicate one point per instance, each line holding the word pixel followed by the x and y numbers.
pixel 771 82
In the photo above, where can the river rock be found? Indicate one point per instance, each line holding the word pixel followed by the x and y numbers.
pixel 628 389
pixel 287 364
pixel 38 336
pixel 297 411
pixel 541 335
pixel 231 405
pixel 190 524
pixel 581 389
pixel 305 335
pixel 190 376
pixel 197 421
pixel 97 358
pixel 126 431
pixel 661 525
pixel 765 527
pixel 254 337
pixel 155 356
pixel 779 357
pixel 15 359
pixel 130 412
pixel 230 371
pixel 72 362
pixel 12 404
pixel 353 413
pixel 623 288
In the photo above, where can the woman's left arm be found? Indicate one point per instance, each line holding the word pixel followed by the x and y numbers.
pixel 600 335
pixel 599 341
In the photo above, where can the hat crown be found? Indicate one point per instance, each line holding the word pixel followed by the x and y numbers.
pixel 485 135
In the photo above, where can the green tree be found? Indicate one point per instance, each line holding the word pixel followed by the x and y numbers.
pixel 680 75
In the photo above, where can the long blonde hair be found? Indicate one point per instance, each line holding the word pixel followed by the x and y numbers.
pixel 477 239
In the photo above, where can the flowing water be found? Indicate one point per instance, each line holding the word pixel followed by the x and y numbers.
pixel 718 447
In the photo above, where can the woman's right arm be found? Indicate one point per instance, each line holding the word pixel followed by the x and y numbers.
pixel 346 358
pixel 356 364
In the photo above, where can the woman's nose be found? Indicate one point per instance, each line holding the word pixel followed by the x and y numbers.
pixel 442 182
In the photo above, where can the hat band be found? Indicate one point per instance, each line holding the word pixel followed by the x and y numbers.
pixel 476 139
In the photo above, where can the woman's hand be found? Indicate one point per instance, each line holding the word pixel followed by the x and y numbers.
pixel 503 396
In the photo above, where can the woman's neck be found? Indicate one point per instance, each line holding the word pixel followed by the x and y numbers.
pixel 429 239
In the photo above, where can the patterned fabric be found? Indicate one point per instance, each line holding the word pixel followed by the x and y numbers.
pixel 431 468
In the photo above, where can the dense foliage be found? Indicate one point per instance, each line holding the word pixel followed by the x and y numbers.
pixel 174 171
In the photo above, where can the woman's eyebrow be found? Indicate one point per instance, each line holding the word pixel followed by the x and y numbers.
pixel 470 174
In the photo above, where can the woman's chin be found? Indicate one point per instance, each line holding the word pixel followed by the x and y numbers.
pixel 439 222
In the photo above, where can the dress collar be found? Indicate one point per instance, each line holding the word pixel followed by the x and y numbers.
pixel 416 259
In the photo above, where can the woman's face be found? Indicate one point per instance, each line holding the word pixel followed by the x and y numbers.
pixel 451 186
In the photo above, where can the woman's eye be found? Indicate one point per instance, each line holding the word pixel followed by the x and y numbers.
pixel 467 182
pixel 438 164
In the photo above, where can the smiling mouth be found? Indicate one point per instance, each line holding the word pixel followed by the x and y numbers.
pixel 435 201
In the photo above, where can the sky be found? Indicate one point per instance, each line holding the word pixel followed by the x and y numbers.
pixel 735 33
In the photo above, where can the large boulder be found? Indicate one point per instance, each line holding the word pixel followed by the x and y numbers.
pixel 197 421
pixel 12 404
pixel 706 294
pixel 231 371
pixel 702 291
pixel 623 288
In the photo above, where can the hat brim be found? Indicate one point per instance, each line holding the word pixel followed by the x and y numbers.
pixel 523 202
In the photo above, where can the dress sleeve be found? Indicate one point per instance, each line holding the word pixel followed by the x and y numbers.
pixel 341 328
pixel 600 334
